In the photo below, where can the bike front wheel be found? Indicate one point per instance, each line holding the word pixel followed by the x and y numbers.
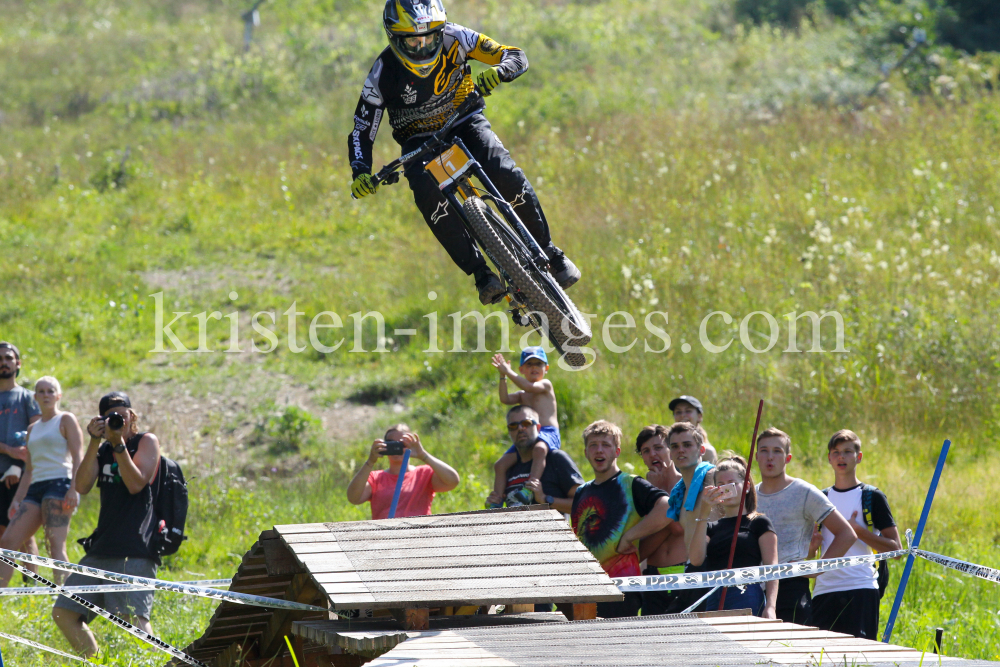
pixel 567 328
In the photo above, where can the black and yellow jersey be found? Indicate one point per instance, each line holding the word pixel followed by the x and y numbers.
pixel 421 105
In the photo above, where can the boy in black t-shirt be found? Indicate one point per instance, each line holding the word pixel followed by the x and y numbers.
pixel 847 600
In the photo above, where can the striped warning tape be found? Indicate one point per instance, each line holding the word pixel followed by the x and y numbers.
pixel 43 647
pixel 745 575
pixel 160 585
pixel 120 588
pixel 981 571
pixel 120 622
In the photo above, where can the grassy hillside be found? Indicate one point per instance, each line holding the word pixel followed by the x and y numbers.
pixel 687 163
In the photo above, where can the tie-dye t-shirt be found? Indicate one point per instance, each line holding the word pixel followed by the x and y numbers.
pixel 603 512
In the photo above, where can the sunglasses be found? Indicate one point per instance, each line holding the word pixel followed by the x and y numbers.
pixel 524 423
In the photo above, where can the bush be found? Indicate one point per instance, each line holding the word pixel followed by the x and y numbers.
pixel 970 25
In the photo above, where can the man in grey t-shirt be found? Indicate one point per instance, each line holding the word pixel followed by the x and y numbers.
pixel 17 410
pixel 795 506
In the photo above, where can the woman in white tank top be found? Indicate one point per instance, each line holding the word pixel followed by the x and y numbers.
pixel 45 496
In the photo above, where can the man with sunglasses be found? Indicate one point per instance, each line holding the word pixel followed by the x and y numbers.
pixel 561 478
pixel 419 80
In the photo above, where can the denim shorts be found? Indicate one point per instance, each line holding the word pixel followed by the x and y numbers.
pixel 547 434
pixel 124 603
pixel 50 488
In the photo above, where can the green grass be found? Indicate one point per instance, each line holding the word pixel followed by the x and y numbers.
pixel 686 164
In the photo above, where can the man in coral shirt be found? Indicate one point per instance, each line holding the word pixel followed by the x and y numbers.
pixel 420 483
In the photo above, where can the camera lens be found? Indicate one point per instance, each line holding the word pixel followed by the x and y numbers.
pixel 115 421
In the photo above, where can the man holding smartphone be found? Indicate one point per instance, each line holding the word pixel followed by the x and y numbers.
pixel 420 483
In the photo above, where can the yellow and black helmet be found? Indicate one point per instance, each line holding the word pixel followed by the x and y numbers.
pixel 416 32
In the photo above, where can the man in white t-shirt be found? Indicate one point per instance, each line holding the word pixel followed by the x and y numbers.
pixel 847 600
pixel 795 506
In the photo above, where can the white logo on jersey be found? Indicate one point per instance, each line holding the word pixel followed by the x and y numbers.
pixel 375 122
pixel 440 213
pixel 370 93
pixel 107 470
pixel 409 95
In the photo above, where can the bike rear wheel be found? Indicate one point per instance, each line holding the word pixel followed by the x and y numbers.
pixel 567 328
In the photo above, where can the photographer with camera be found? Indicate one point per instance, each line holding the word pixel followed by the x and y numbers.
pixel 123 462
pixel 420 483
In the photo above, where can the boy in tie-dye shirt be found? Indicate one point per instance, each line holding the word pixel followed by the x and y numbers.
pixel 614 511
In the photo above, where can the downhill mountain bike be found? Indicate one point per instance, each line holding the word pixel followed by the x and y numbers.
pixel 536 300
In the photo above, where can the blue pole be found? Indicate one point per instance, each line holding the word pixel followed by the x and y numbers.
pixel 399 485
pixel 887 635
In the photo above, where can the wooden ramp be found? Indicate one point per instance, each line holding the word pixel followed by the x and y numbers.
pixel 683 640
pixel 454 563
pixel 477 558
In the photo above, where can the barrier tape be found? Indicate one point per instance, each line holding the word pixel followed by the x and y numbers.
pixel 160 585
pixel 38 590
pixel 122 623
pixel 981 571
pixel 43 647
pixel 745 575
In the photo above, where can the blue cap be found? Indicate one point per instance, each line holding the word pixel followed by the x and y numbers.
pixel 537 352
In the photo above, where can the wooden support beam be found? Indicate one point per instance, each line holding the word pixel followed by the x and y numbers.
pixel 518 608
pixel 279 559
pixel 585 611
pixel 413 618
pixel 272 640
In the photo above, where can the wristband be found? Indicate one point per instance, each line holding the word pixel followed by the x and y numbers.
pixel 549 499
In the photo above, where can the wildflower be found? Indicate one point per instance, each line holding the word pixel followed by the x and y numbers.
pixel 627 272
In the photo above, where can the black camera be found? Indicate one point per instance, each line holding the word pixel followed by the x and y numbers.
pixel 393 448
pixel 114 421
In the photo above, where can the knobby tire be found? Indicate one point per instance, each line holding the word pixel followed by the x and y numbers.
pixel 533 287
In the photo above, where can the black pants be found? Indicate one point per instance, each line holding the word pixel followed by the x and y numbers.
pixel 656 602
pixel 508 178
pixel 794 604
pixel 851 612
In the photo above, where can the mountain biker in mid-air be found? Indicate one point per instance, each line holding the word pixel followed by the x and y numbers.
pixel 421 78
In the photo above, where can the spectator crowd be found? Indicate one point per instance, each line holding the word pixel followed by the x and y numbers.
pixel 45 467
pixel 682 515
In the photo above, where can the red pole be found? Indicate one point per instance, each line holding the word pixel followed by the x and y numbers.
pixel 743 497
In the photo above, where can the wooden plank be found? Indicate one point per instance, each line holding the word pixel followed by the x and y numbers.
pixel 300 528
pixel 309 537
pixel 432 521
pixel 430 542
pixel 419 550
pixel 427 533
pixel 444 598
pixel 420 585
pixel 320 563
pixel 583 569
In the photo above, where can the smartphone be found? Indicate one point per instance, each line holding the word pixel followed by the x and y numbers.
pixel 729 492
pixel 393 448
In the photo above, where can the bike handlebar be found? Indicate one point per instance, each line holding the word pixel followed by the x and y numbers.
pixel 389 173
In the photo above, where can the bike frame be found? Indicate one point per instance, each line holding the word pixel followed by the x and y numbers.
pixel 459 189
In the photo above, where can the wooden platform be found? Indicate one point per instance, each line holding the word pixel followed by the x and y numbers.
pixel 373 636
pixel 686 640
pixel 472 560
pixel 520 556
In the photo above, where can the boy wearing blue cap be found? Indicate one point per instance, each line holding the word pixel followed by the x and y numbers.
pixel 538 394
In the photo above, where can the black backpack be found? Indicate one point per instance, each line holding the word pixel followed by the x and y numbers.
pixel 866 510
pixel 170 506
